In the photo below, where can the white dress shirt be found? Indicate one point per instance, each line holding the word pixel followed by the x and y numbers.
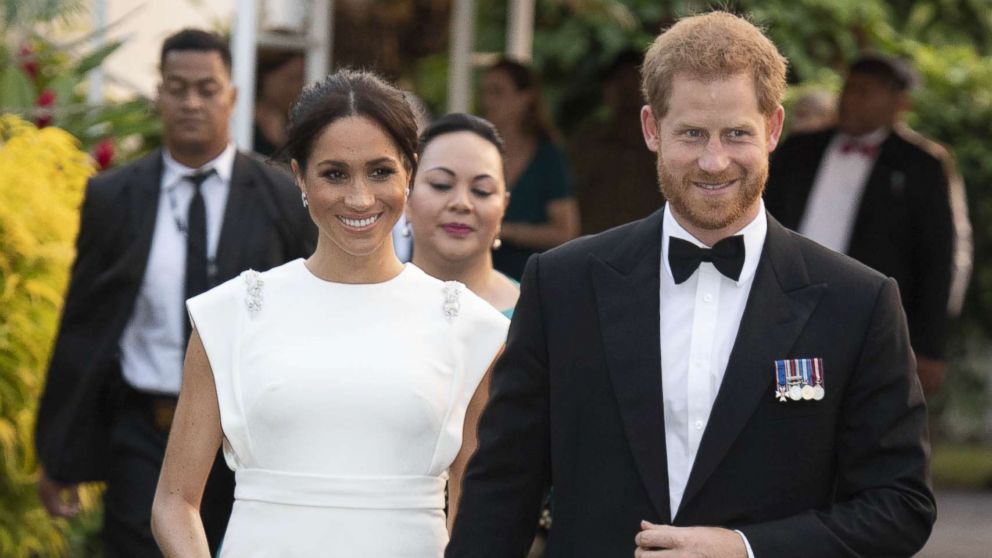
pixel 835 197
pixel 153 347
pixel 699 322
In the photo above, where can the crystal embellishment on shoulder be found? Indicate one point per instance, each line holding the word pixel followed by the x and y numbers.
pixel 253 298
pixel 452 304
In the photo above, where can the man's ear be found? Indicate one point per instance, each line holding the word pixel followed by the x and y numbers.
pixel 775 123
pixel 157 102
pixel 649 127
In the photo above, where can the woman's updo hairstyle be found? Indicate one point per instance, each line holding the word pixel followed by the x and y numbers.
pixel 351 93
pixel 461 122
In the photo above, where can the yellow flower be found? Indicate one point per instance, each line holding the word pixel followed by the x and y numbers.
pixel 43 176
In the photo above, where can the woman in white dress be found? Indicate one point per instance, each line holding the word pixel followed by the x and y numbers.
pixel 339 386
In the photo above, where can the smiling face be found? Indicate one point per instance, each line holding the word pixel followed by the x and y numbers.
pixel 459 198
pixel 713 147
pixel 195 100
pixel 355 182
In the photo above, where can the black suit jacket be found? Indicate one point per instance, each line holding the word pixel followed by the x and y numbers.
pixel 904 227
pixel 264 226
pixel 576 401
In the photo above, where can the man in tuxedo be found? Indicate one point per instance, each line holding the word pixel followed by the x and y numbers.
pixel 703 382
pixel 152 234
pixel 867 190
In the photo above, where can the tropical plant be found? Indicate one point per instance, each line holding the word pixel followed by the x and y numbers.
pixel 42 176
pixel 45 81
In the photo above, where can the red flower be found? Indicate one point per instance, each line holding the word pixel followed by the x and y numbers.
pixel 103 152
pixel 46 99
pixel 28 63
pixel 43 112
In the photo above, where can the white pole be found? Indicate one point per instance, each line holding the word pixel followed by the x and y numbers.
pixel 95 94
pixel 243 54
pixel 520 30
pixel 321 40
pixel 460 56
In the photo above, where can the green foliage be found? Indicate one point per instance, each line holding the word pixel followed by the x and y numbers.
pixel 15 13
pixel 959 467
pixel 46 83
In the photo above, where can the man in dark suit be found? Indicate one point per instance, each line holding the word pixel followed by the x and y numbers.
pixel 703 382
pixel 152 234
pixel 866 190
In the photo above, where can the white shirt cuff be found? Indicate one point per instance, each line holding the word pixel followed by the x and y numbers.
pixel 747 545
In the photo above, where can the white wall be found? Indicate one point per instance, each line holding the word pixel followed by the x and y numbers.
pixel 135 64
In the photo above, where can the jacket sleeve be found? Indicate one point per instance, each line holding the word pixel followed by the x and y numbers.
pixel 507 476
pixel 67 369
pixel 884 505
pixel 933 264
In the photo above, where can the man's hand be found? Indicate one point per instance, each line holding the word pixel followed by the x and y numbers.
pixel 665 541
pixel 61 500
pixel 931 373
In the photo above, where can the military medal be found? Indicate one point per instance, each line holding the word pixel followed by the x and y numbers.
pixel 818 391
pixel 781 391
pixel 799 379
pixel 794 378
pixel 805 367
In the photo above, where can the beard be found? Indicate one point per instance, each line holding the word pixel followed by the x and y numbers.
pixel 712 212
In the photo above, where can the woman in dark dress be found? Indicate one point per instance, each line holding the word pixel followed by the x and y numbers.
pixel 542 212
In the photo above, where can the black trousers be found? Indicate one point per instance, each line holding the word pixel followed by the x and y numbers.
pixel 138 447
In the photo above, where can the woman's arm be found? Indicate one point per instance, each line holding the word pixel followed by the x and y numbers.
pixel 562 226
pixel 196 434
pixel 470 441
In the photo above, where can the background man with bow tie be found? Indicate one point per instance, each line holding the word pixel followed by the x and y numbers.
pixel 152 234
pixel 639 377
pixel 866 190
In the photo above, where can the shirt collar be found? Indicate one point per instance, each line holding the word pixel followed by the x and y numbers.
pixel 871 139
pixel 174 171
pixel 754 240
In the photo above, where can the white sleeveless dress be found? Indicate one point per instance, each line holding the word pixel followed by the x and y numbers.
pixel 342 407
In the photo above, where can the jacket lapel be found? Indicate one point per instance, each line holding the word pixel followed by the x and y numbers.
pixel 627 295
pixel 142 188
pixel 884 186
pixel 798 184
pixel 780 303
pixel 233 235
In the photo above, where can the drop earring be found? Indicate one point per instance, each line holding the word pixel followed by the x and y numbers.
pixel 405 232
pixel 303 195
pixel 497 243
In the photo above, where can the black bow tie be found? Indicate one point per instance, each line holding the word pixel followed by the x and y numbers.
pixel 727 256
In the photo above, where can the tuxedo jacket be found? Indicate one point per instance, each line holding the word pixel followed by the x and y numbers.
pixel 264 225
pixel 576 402
pixel 903 227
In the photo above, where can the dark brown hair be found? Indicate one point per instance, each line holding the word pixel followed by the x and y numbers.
pixel 351 93
pixel 537 121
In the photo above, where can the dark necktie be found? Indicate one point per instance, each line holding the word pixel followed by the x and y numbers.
pixel 197 279
pixel 727 256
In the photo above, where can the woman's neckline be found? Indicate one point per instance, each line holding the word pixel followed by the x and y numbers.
pixel 407 267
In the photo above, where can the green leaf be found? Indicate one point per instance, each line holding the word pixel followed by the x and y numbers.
pixel 16 91
pixel 95 58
